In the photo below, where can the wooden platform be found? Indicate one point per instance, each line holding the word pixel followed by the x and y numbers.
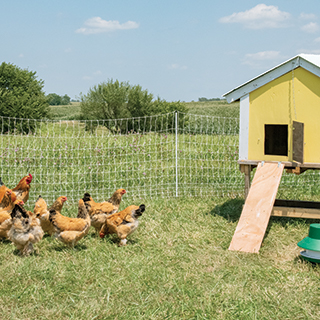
pixel 257 209
pixel 296 209
pixel 287 164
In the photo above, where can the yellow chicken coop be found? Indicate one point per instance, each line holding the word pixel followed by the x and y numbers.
pixel 279 128
pixel 280 114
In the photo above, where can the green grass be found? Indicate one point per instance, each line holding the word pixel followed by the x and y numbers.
pixel 68 112
pixel 67 160
pixel 176 266
pixel 215 108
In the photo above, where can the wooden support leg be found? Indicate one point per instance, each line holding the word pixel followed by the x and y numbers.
pixel 247 171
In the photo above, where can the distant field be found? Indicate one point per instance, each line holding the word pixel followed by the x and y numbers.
pixel 214 108
pixel 210 108
pixel 68 112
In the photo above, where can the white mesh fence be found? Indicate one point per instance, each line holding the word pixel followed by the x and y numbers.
pixel 167 155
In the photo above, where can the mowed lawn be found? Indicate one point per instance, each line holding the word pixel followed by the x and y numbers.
pixel 175 266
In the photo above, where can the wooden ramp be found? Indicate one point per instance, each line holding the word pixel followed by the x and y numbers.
pixel 257 209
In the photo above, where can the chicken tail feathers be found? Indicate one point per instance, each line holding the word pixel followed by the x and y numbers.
pixel 141 209
pixel 18 212
pixel 52 214
pixel 82 209
pixel 1 183
pixel 86 197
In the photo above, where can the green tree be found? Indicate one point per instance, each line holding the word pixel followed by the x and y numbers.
pixel 165 110
pixel 65 100
pixel 117 100
pixel 105 101
pixel 21 96
pixel 54 99
pixel 139 101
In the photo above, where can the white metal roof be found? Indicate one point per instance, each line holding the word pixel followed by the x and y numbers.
pixel 310 62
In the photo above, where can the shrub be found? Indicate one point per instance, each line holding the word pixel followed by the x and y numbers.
pixel 105 101
pixel 118 100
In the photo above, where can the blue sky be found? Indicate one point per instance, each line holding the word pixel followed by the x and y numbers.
pixel 177 50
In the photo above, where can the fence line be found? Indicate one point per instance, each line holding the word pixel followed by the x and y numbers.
pixel 167 155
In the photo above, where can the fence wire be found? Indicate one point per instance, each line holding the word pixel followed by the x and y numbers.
pixel 154 156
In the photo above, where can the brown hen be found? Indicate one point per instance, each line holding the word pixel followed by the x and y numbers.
pixel 99 211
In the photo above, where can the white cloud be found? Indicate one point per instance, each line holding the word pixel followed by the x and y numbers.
pixel 259 17
pixel 21 55
pixel 177 66
pixel 256 59
pixel 311 27
pixel 307 16
pixel 98 25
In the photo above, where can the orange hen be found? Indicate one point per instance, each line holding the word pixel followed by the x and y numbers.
pixel 123 223
pixel 23 187
pixel 71 230
pixel 42 212
pixel 99 211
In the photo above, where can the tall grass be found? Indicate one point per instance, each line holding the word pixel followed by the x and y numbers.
pixel 208 108
pixel 67 112
pixel 215 108
pixel 152 161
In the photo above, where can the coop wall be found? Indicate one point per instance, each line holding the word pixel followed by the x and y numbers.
pixel 294 96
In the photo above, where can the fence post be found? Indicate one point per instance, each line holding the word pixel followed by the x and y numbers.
pixel 176 125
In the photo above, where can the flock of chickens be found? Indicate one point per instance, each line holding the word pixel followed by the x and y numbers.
pixel 25 228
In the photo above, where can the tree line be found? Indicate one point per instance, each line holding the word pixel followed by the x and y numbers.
pixel 56 100
pixel 203 99
pixel 22 96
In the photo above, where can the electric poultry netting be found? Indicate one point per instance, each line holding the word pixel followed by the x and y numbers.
pixel 167 155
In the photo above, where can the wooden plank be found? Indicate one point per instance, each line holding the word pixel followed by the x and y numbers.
pixel 287 164
pixel 296 212
pixel 257 209
pixel 297 204
pixel 296 209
